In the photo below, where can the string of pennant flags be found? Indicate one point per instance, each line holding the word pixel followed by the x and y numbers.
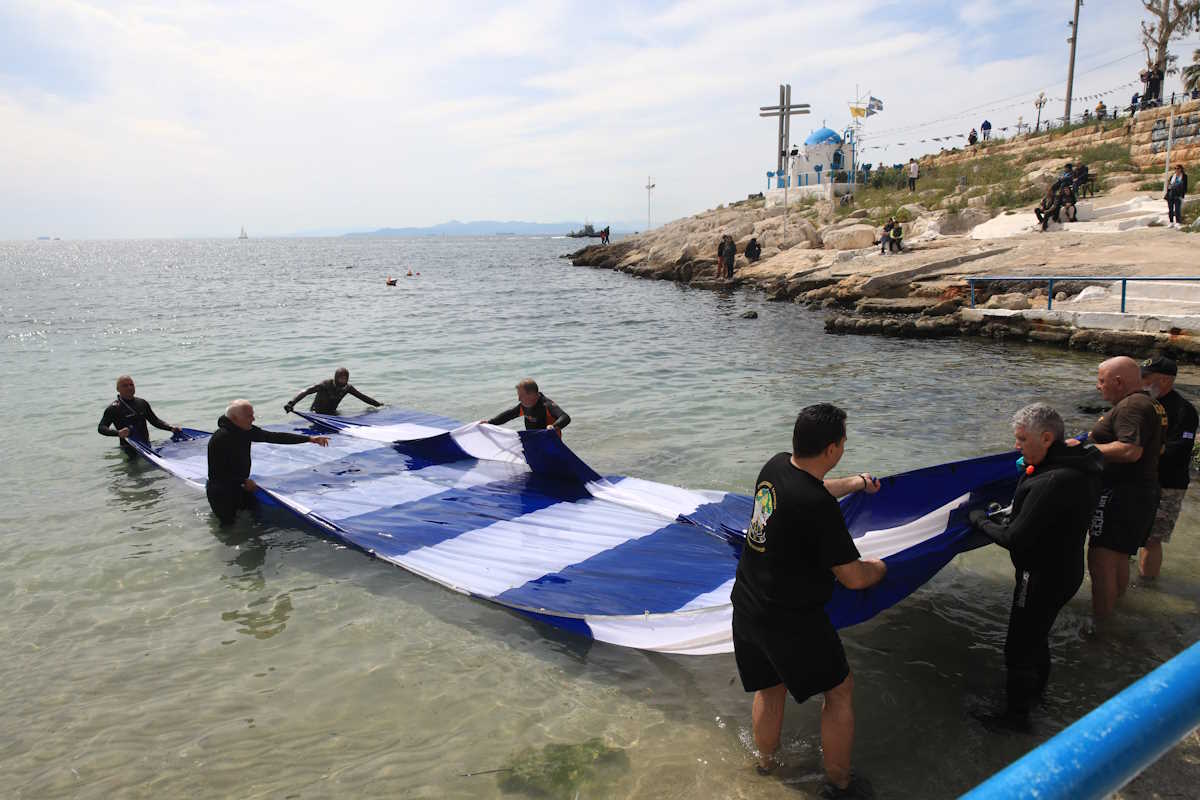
pixel 865 111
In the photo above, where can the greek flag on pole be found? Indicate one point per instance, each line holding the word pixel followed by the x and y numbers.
pixel 519 519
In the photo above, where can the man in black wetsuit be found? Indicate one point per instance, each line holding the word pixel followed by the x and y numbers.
pixel 1044 533
pixel 329 393
pixel 127 417
pixel 538 410
pixel 229 486
pixel 1158 376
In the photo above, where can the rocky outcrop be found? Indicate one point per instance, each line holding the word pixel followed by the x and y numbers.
pixel 851 237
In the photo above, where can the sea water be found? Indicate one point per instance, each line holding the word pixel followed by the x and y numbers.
pixel 149 653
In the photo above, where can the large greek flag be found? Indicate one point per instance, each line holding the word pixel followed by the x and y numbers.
pixel 518 519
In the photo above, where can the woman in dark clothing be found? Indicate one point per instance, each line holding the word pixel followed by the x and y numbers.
pixel 1048 208
pixel 1176 191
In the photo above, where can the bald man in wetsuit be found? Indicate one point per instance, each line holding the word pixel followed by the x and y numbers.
pixel 127 417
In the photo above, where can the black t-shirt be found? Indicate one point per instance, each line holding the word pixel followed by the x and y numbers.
pixel 1135 420
pixel 797 535
pixel 1176 458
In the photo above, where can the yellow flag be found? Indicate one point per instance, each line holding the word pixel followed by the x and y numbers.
pixel 858 111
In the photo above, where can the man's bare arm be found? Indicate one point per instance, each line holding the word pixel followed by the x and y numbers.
pixel 860 574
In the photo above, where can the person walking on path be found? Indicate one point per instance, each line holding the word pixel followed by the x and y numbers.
pixel 1174 464
pixel 1176 191
pixel 797 546
pixel 914 172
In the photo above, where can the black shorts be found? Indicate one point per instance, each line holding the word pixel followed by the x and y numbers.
pixel 226 502
pixel 805 654
pixel 1123 518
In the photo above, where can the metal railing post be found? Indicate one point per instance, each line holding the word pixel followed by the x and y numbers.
pixel 1050 295
pixel 1124 283
pixel 972 292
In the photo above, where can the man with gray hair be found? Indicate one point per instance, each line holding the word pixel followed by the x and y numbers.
pixel 1044 533
pixel 229 486
pixel 1130 438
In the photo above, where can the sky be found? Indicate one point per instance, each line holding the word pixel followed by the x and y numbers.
pixel 142 119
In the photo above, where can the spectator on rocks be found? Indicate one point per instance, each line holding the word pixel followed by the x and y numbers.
pixel 1158 376
pixel 1101 111
pixel 1066 203
pixel 1044 534
pixel 1176 191
pixel 1048 208
pixel 914 172
pixel 986 130
pixel 1066 177
pixel 726 252
pixel 896 240
pixel 1133 103
pixel 972 137
pixel 1080 178
pixel 1130 438
pixel 753 250
pixel 885 238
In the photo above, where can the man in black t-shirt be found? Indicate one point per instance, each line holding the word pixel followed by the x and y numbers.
pixel 796 545
pixel 1129 437
pixel 329 394
pixel 127 417
pixel 1174 464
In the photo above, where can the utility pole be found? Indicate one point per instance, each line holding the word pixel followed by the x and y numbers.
pixel 784 111
pixel 649 186
pixel 1071 66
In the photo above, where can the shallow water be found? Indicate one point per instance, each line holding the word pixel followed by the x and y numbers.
pixel 150 654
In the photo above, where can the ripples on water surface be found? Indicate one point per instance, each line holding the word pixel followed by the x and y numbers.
pixel 150 654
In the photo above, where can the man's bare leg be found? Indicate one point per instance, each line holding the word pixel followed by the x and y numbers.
pixel 1150 558
pixel 1122 575
pixel 837 732
pixel 1103 565
pixel 768 722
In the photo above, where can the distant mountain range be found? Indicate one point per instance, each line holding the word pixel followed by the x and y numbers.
pixel 487 227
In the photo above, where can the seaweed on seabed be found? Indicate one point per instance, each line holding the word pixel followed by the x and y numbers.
pixel 564 770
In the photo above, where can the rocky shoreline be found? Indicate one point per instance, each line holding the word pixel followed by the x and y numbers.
pixel 972 221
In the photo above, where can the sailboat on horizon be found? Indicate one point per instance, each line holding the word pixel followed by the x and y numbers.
pixel 243 235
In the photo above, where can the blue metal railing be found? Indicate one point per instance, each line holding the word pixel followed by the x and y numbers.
pixel 1110 746
pixel 1050 279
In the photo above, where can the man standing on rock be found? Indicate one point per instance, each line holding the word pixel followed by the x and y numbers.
pixel 726 253
pixel 1129 437
pixel 914 172
pixel 1174 463
pixel 796 546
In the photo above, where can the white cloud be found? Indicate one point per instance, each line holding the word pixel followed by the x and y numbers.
pixel 200 117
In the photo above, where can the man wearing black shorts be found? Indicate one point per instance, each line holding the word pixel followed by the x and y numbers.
pixel 1174 465
pixel 1130 438
pixel 797 543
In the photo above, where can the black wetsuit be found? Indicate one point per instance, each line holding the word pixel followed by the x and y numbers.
pixel 229 465
pixel 132 414
pixel 544 412
pixel 328 395
pixel 1051 512
pixel 1180 438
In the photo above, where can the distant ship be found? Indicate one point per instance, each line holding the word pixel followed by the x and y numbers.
pixel 587 231
pixel 243 235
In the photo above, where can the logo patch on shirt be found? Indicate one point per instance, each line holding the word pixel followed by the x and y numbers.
pixel 764 507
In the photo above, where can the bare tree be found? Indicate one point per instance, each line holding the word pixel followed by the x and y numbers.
pixel 1170 19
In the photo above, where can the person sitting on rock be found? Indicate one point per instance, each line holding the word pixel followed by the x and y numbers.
pixel 972 137
pixel 1047 208
pixel 753 250
pixel 896 239
pixel 1066 203
pixel 1065 178
pixel 886 237
pixel 1080 178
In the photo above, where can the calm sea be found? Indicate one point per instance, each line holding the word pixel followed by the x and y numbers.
pixel 149 654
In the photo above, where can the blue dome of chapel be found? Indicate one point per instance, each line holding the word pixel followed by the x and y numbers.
pixel 823 136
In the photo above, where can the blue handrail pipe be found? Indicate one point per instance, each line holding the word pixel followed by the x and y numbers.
pixel 1110 746
pixel 1050 279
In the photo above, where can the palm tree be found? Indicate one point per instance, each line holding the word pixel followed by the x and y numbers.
pixel 1191 73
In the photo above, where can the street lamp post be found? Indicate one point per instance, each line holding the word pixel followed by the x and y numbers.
pixel 649 186
pixel 1039 103
pixel 784 111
